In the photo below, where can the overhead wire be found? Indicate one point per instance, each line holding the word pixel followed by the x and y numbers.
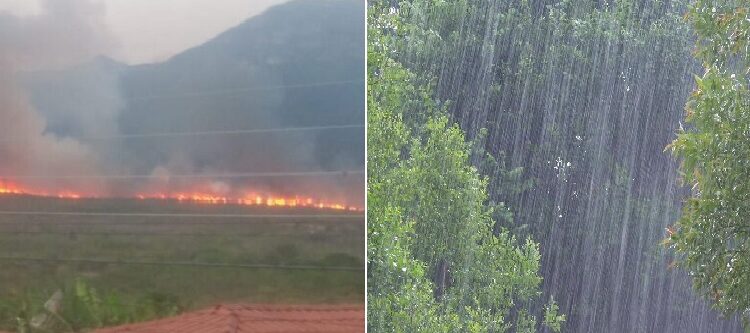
pixel 226 218
pixel 247 89
pixel 155 234
pixel 207 175
pixel 181 215
pixel 208 133
pixel 181 263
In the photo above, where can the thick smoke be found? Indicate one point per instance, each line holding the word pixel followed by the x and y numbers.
pixel 69 111
pixel 66 32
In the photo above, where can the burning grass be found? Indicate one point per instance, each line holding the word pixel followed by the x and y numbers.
pixel 250 198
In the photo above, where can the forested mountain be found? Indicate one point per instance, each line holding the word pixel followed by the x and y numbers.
pixel 298 64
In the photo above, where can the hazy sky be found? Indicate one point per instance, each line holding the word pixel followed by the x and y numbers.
pixel 153 30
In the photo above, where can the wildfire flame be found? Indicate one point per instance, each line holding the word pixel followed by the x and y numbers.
pixel 251 199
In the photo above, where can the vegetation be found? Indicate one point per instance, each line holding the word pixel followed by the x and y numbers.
pixel 582 96
pixel 438 261
pixel 26 285
pixel 713 235
pixel 79 306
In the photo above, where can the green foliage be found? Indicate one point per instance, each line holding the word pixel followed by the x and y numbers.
pixel 428 213
pixel 314 242
pixel 399 297
pixel 712 237
pixel 78 306
pixel 552 318
pixel 441 31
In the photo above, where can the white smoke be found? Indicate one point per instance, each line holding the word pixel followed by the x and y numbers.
pixel 64 33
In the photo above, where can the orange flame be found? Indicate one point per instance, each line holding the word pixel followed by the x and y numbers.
pixel 7 188
pixel 251 199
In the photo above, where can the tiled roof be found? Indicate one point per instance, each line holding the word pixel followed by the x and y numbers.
pixel 256 319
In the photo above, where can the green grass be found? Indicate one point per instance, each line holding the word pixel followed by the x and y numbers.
pixel 325 242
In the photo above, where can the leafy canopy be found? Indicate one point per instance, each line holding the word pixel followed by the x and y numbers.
pixel 428 214
pixel 712 237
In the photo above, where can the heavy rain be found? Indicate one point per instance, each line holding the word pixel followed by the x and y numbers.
pixel 574 102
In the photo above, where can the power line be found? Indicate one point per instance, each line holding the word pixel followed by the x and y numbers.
pixel 183 263
pixel 162 223
pixel 224 175
pixel 246 89
pixel 209 133
pixel 164 234
pixel 285 218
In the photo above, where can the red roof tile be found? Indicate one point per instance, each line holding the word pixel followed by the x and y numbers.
pixel 256 319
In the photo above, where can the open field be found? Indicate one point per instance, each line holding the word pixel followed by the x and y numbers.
pixel 194 254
